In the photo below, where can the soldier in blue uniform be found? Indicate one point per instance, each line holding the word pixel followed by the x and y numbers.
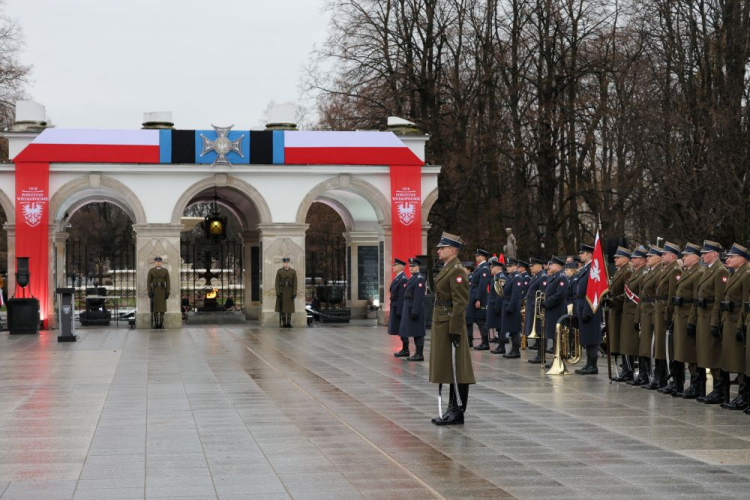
pixel 394 321
pixel 469 266
pixel 589 323
pixel 513 291
pixel 412 312
pixel 555 294
pixel 571 271
pixel 538 283
pixel 480 279
pixel 495 305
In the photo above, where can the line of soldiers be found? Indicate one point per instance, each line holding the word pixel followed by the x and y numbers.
pixel 668 312
pixel 500 292
pixel 407 318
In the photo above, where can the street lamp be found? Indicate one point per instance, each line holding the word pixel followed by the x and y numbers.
pixel 542 230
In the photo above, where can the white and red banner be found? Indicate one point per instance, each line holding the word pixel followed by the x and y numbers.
pixel 406 211
pixel 598 284
pixel 346 148
pixel 93 146
pixel 32 229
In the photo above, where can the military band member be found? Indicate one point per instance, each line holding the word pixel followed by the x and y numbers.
pixel 394 321
pixel 538 283
pixel 480 279
pixel 512 293
pixel 555 294
pixel 469 266
pixel 646 316
pixel 157 284
pixel 705 319
pixel 733 339
pixel 589 322
pixel 448 324
pixel 286 292
pixel 412 311
pixel 616 302
pixel 571 272
pixel 629 334
pixel 664 310
pixel 684 339
pixel 495 304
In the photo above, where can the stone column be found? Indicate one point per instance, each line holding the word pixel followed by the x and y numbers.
pixel 162 240
pixel 354 240
pixel 10 230
pixel 250 239
pixel 385 304
pixel 425 231
pixel 57 271
pixel 281 240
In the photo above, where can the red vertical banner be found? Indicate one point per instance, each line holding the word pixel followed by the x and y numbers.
pixel 406 211
pixel 598 284
pixel 32 229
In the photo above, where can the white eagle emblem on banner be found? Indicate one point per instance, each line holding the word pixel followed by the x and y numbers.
pixel 32 213
pixel 406 212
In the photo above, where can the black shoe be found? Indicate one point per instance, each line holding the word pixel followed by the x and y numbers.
pixel 498 350
pixel 588 370
pixel 416 357
pixel 714 398
pixel 450 410
pixel 550 351
pixel 536 361
pixel 513 354
pixel 625 376
pixel 401 354
pixel 455 418
pixel 495 340
pixel 690 393
pixel 738 403
pixel 482 347
pixel 639 381
pixel 534 347
pixel 668 389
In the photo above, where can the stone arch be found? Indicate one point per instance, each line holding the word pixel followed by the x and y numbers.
pixel 252 195
pixel 340 209
pixel 8 207
pixel 427 203
pixel 94 187
pixel 355 185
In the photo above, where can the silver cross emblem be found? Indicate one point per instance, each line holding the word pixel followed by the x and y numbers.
pixel 222 146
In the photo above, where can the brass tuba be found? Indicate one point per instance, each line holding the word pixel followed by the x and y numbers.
pixel 499 284
pixel 567 346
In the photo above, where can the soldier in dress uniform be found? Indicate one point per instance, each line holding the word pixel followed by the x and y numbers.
pixel 480 279
pixel 158 286
pixel 616 302
pixel 495 304
pixel 469 266
pixel 538 283
pixel 512 293
pixel 732 325
pixel 646 316
pixel 629 338
pixel 684 340
pixel 412 311
pixel 448 324
pixel 664 310
pixel 556 292
pixel 589 322
pixel 571 271
pixel 705 319
pixel 286 292
pixel 394 321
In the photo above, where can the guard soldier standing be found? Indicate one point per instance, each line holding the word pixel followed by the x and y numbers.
pixel 555 296
pixel 448 323
pixel 512 294
pixel 286 292
pixel 538 283
pixel 664 310
pixel 629 338
pixel 705 320
pixel 684 341
pixel 412 311
pixel 589 322
pixel 480 279
pixel 158 286
pixel 733 341
pixel 469 266
pixel 616 302
pixel 646 316
pixel 495 304
pixel 394 320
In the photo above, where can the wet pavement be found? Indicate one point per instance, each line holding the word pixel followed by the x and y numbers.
pixel 329 413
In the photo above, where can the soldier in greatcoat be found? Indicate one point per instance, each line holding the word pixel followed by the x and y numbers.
pixel 646 314
pixel 684 338
pixel 495 304
pixel 412 310
pixel 394 320
pixel 555 296
pixel 158 285
pixel 589 322
pixel 629 335
pixel 732 323
pixel 286 292
pixel 664 312
pixel 616 302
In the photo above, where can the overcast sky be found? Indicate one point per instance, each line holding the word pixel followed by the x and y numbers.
pixel 103 63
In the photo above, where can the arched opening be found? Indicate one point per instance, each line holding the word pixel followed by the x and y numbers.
pixel 325 255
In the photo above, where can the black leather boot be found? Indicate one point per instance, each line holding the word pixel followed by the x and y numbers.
pixel 660 376
pixel 500 349
pixel 627 370
pixel 419 355
pixel 515 351
pixel 404 352
pixel 536 361
pixel 679 380
pixel 590 368
pixel 717 396
pixel 452 405
pixel 456 416
pixel 670 387
pixel 738 403
pixel 692 391
pixel 643 369
pixel 485 345
pixel 470 334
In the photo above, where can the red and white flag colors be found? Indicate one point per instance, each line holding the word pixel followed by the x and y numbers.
pixel 92 146
pixel 347 148
pixel 598 284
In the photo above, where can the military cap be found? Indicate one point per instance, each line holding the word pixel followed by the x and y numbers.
pixel 557 260
pixel 623 252
pixel 571 265
pixel 523 263
pixel 157 259
pixel 398 262
pixel 511 261
pixel 711 246
pixel 739 250
pixel 285 259
pixel 496 263
pixel 654 250
pixel 641 252
pixel 691 248
pixel 577 259
pixel 450 240
pixel 468 264
pixel 415 262
pixel 534 260
pixel 672 248
pixel 484 253
pixel 586 248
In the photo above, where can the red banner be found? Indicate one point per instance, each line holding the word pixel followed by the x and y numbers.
pixel 598 284
pixel 406 211
pixel 32 229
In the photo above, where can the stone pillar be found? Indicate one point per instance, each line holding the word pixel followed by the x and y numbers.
pixel 385 304
pixel 356 239
pixel 425 231
pixel 281 240
pixel 57 271
pixel 162 240
pixel 250 239
pixel 10 230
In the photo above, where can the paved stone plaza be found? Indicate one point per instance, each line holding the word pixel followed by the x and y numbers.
pixel 328 413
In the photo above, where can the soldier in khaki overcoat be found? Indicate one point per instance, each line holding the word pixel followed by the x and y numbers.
pixel 616 301
pixel 286 292
pixel 157 284
pixel 629 330
pixel 684 337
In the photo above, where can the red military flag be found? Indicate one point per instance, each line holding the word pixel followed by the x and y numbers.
pixel 598 284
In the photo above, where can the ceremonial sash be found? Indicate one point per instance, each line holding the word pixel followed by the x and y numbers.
pixel 631 295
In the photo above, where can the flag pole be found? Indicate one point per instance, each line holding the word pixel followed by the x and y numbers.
pixel 605 312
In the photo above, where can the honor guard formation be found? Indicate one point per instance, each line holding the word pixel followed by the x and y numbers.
pixel 667 309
